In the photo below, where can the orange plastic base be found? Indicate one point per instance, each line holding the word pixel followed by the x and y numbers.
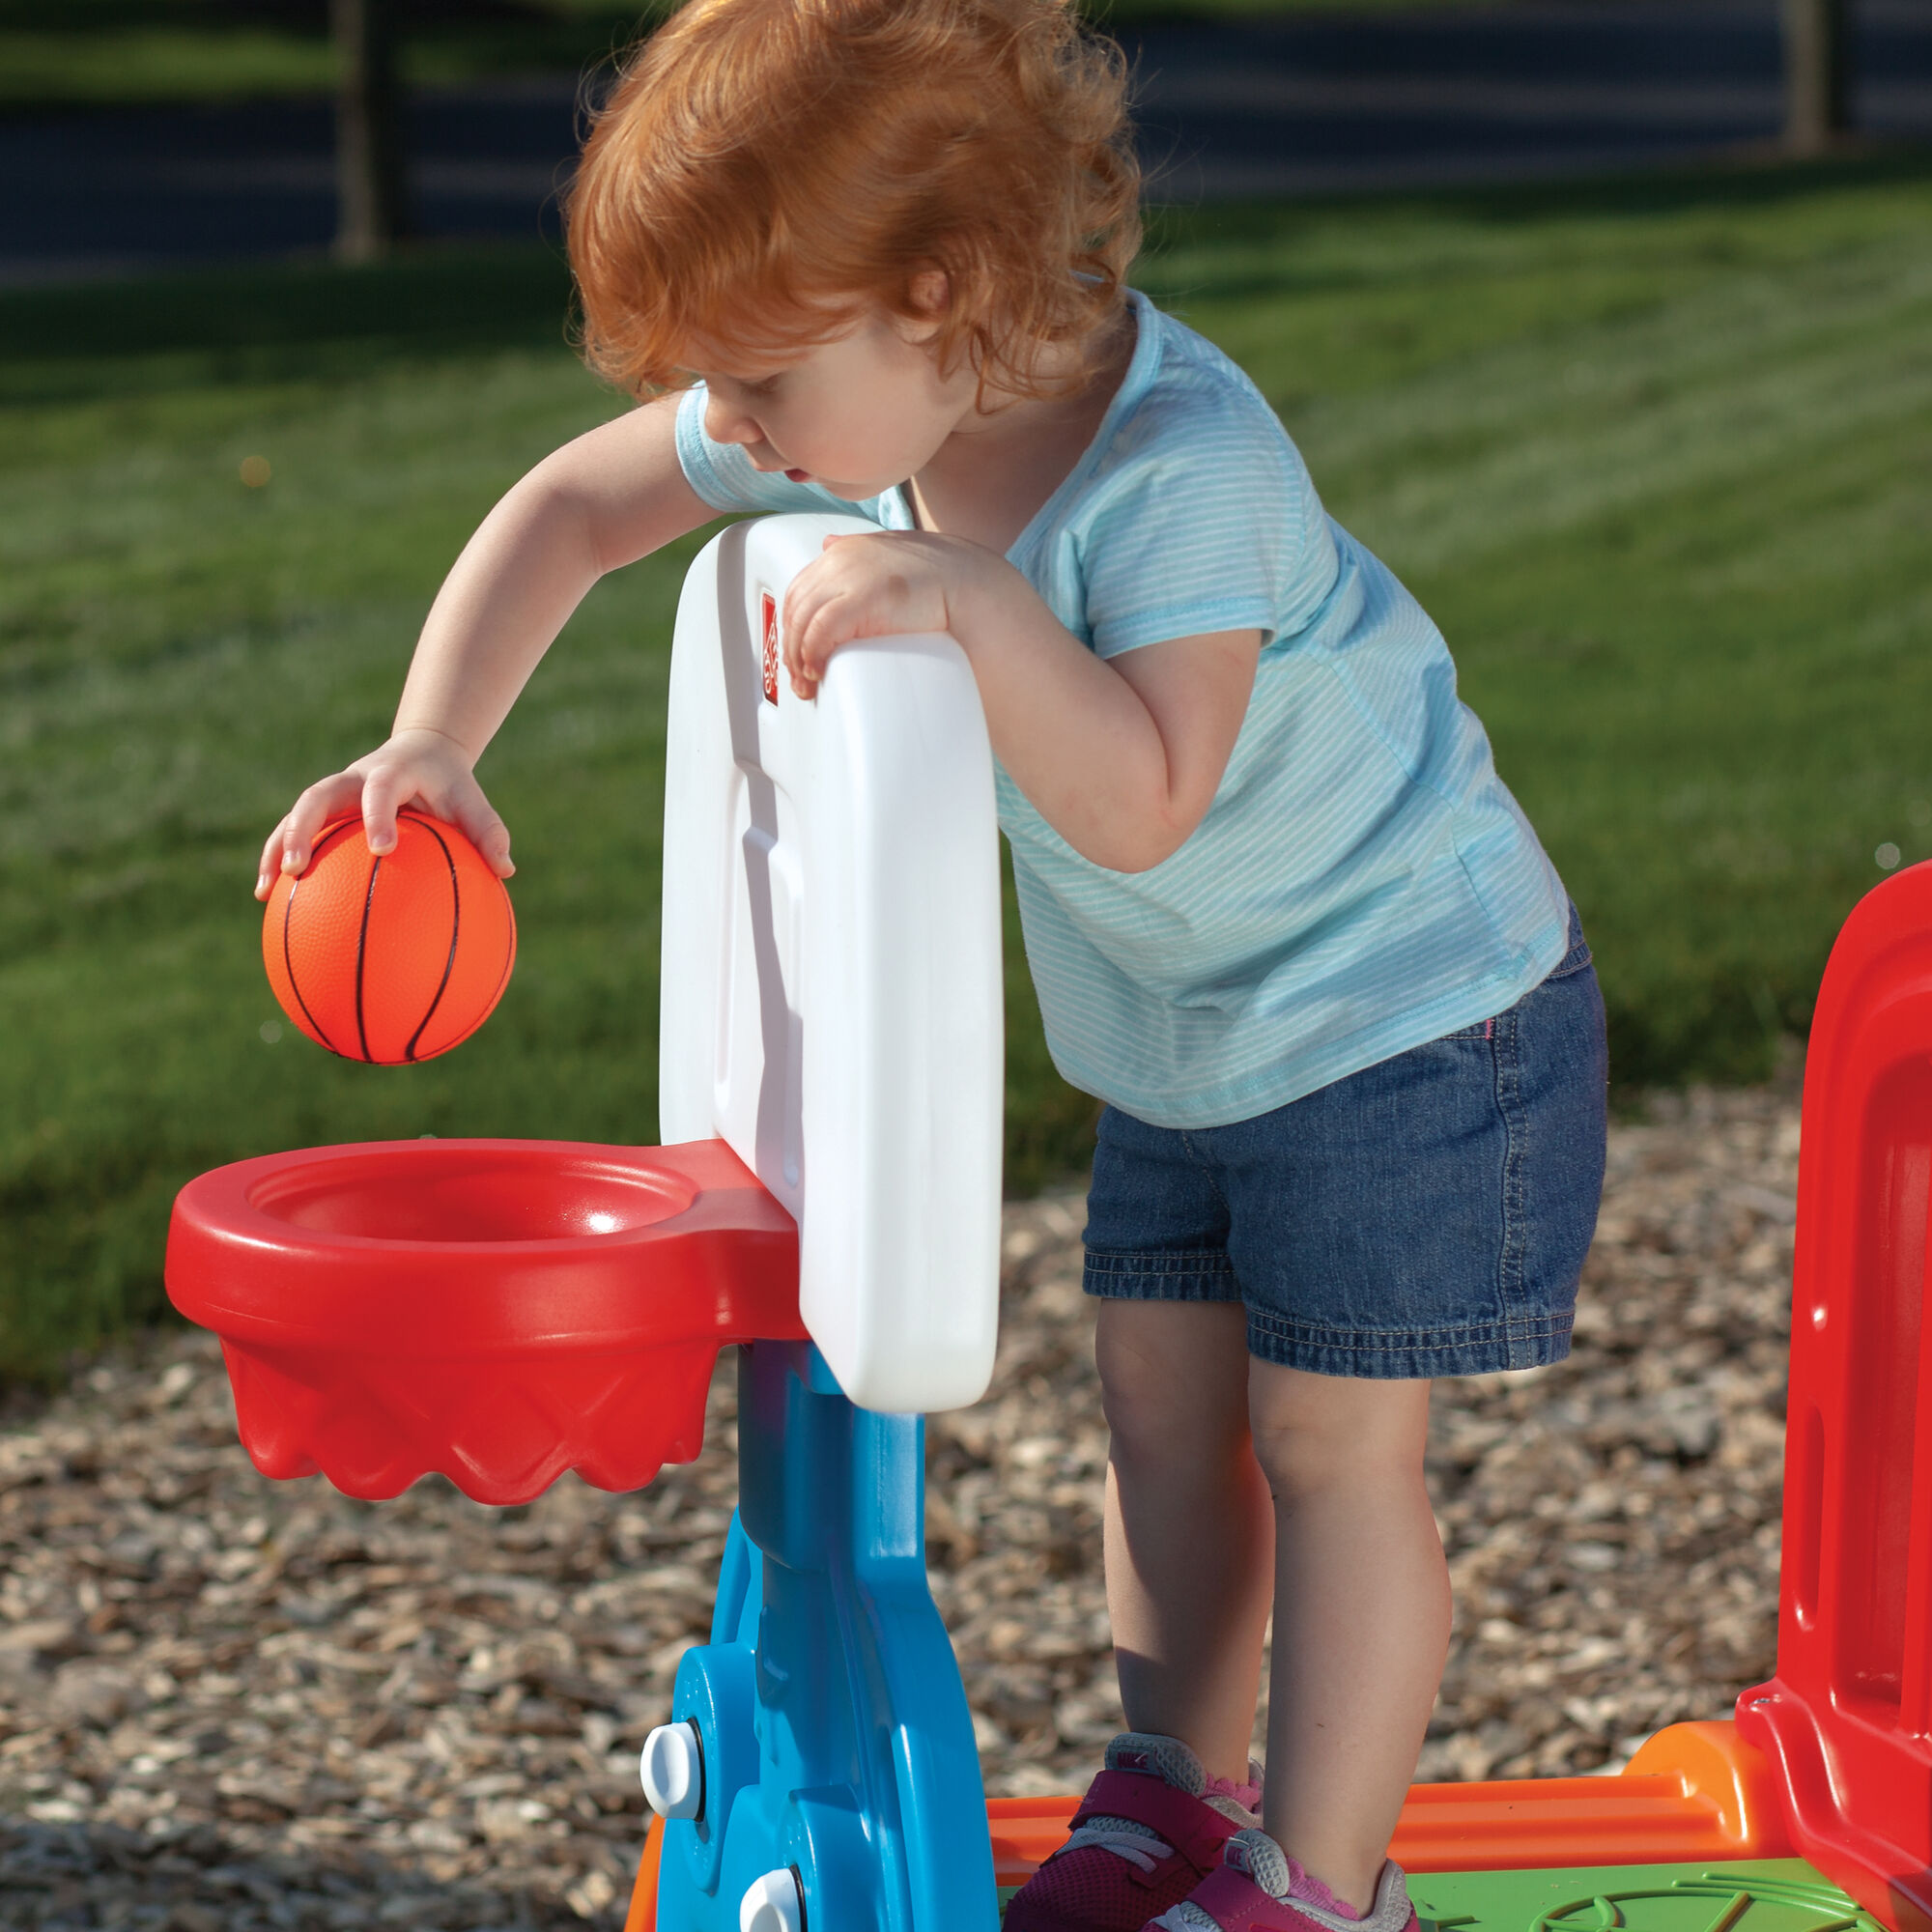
pixel 1694 1791
pixel 644 1912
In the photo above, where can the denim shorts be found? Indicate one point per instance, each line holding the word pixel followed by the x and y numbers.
pixel 1425 1216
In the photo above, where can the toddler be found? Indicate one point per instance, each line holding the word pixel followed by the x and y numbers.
pixel 1283 919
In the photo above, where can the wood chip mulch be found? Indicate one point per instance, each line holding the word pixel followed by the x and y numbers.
pixel 228 1704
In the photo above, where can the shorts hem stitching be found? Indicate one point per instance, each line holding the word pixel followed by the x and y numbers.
pixel 1399 1355
pixel 1178 1274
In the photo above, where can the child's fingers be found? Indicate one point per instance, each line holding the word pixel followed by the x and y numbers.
pixel 806 653
pixel 799 663
pixel 383 791
pixel 330 799
pixel 488 833
pixel 802 671
pixel 840 617
pixel 271 861
pixel 881 582
pixel 821 613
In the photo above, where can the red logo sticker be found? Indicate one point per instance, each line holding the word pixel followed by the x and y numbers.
pixel 768 611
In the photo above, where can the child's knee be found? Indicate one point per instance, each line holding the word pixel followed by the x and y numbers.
pixel 1316 1433
pixel 1173 1377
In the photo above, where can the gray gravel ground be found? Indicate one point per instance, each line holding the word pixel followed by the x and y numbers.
pixel 228 1704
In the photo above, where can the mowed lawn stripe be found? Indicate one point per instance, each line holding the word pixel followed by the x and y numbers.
pixel 1657 455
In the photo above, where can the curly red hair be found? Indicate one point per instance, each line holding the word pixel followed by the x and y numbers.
pixel 765 169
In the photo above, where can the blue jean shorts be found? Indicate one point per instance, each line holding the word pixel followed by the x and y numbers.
pixel 1425 1216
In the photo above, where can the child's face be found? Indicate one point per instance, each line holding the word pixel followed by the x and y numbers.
pixel 859 415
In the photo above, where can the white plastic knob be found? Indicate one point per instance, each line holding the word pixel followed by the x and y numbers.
pixel 772 1904
pixel 672 1765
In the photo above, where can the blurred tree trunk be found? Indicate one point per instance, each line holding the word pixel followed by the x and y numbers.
pixel 1817 74
pixel 371 210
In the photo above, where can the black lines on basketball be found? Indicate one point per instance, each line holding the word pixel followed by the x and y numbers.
pixel 455 927
pixel 321 845
pixel 397 951
pixel 362 957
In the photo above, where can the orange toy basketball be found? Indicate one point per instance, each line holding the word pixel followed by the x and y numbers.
pixel 391 959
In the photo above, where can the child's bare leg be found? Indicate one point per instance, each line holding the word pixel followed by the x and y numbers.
pixel 1189 1529
pixel 1361 1614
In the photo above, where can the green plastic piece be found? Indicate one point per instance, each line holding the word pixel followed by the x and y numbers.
pixel 1750 1895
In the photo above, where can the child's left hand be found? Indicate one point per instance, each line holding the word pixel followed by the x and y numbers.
pixel 877 585
pixel 1121 756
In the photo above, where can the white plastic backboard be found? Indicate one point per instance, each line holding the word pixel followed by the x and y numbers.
pixel 831 991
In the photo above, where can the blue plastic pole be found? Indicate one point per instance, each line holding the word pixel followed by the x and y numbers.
pixel 836 1740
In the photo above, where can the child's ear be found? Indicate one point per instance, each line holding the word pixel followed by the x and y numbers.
pixel 932 295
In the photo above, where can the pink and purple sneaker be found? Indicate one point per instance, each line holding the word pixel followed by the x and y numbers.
pixel 1258 1888
pixel 1149 1832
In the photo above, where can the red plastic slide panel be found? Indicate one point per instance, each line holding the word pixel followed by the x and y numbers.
pixel 1847 1717
pixel 496 1311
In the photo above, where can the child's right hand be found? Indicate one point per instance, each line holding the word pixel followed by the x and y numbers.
pixel 414 767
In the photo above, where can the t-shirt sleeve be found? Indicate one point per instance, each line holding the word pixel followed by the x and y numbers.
pixel 1211 523
pixel 721 474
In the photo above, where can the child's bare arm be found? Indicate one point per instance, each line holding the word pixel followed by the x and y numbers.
pixel 1121 756
pixel 606 500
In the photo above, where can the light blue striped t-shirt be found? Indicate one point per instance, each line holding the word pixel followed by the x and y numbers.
pixel 1362 881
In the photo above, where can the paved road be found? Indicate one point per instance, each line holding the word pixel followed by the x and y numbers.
pixel 1305 105
pixel 1337 104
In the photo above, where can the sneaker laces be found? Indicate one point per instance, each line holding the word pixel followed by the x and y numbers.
pixel 1138 1844
pixel 1173 1763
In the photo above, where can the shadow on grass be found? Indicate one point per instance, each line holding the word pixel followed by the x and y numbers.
pixel 281 321
pixel 1751 180
pixel 442 301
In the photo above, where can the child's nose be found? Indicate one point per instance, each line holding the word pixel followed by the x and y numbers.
pixel 724 424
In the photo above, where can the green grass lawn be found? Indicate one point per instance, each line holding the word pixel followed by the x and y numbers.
pixel 1659 456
